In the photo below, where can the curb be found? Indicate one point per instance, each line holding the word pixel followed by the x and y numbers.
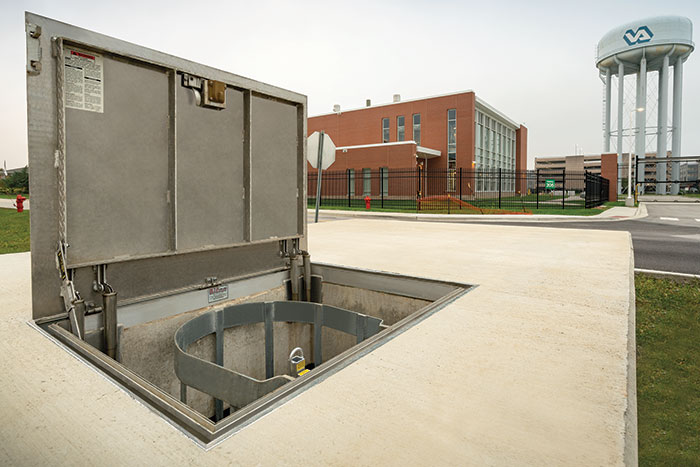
pixel 536 218
pixel 679 276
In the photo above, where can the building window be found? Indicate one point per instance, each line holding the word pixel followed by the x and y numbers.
pixel 385 180
pixel 366 182
pixel 451 148
pixel 385 130
pixel 351 181
pixel 451 135
pixel 416 128
pixel 400 128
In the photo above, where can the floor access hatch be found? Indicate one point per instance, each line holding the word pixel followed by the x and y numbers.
pixel 168 234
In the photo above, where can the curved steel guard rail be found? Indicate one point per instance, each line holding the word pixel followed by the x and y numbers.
pixel 238 389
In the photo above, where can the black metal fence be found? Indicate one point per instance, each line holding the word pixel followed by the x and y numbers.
pixel 597 190
pixel 460 190
pixel 653 180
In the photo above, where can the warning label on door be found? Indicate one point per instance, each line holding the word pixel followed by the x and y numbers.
pixel 84 80
pixel 218 293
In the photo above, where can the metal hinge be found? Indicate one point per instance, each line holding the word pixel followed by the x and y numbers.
pixel 33 48
pixel 211 282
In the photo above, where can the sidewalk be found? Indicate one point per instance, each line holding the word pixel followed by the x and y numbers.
pixel 9 203
pixel 617 213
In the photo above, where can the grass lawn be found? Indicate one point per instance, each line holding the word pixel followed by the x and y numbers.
pixel 668 371
pixel 14 231
pixel 4 196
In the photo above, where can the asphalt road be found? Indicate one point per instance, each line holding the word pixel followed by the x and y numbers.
pixel 667 240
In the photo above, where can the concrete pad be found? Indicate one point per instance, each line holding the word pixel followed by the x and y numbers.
pixel 533 367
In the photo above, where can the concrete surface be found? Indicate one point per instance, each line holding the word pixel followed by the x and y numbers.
pixel 9 203
pixel 533 367
pixel 618 213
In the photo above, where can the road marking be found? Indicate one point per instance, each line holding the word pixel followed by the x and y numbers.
pixel 668 218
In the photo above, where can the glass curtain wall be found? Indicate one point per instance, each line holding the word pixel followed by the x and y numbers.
pixel 494 149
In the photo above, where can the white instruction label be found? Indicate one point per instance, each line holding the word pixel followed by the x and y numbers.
pixel 84 80
pixel 218 293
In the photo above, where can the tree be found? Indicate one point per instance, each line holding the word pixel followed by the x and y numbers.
pixel 19 179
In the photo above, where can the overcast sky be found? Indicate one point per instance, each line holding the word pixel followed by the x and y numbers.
pixel 532 60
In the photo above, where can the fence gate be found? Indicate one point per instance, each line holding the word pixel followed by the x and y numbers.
pixel 667 175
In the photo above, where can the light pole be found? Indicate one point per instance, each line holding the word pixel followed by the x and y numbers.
pixel 630 201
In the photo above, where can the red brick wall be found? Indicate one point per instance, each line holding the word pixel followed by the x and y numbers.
pixel 399 156
pixel 393 156
pixel 364 126
pixel 521 158
pixel 608 169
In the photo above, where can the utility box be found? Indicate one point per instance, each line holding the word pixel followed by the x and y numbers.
pixel 168 234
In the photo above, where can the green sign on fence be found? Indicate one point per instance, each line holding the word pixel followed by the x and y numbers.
pixel 549 184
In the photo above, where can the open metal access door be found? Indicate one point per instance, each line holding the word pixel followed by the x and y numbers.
pixel 174 174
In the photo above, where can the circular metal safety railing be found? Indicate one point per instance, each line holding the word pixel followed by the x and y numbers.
pixel 238 389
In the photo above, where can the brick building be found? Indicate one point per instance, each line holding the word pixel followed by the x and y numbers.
pixel 447 132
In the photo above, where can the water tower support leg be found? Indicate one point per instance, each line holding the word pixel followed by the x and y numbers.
pixel 606 130
pixel 661 130
pixel 640 142
pixel 677 108
pixel 620 109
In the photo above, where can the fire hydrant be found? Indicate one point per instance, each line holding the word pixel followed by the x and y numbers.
pixel 19 204
pixel 368 202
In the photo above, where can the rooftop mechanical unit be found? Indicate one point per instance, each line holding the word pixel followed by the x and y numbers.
pixel 168 235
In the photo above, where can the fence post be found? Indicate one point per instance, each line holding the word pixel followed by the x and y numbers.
pixel 499 188
pixel 563 188
pixel 418 192
pixel 636 177
pixel 537 188
pixel 381 184
pixel 347 174
pixel 460 187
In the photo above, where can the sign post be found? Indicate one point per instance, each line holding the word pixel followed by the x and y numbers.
pixel 320 152
pixel 319 164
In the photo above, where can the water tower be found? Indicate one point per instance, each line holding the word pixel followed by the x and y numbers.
pixel 637 49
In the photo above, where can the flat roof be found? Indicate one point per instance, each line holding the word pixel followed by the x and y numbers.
pixel 480 102
pixel 421 149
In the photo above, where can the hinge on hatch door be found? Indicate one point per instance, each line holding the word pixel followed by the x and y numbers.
pixel 33 48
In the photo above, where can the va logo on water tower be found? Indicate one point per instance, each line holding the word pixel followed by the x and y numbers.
pixel 641 35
